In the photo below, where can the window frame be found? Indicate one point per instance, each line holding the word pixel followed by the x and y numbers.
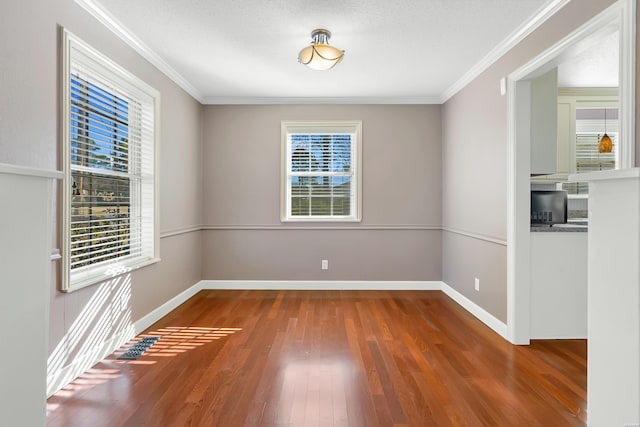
pixel 76 51
pixel 289 127
pixel 596 128
pixel 584 98
pixel 588 98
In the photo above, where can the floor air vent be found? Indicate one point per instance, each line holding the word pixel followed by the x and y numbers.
pixel 139 348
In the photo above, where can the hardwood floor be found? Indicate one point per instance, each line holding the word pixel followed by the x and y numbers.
pixel 329 358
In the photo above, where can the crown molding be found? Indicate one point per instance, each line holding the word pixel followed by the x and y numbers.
pixel 538 18
pixel 94 8
pixel 100 13
pixel 221 100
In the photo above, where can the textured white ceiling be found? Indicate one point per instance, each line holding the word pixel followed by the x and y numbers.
pixel 597 66
pixel 234 50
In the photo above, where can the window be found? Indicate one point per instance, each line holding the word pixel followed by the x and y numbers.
pixel 590 127
pixel 109 139
pixel 321 171
pixel 589 159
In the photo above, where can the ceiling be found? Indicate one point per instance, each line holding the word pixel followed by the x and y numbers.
pixel 245 51
pixel 597 66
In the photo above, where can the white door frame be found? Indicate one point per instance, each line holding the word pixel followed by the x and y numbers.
pixel 621 16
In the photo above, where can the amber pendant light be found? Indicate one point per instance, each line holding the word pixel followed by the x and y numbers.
pixel 606 145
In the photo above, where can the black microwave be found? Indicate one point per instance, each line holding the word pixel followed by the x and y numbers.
pixel 548 207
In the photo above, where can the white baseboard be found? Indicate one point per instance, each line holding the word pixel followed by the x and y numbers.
pixel 82 362
pixel 484 316
pixel 166 308
pixel 63 376
pixel 559 337
pixel 60 378
pixel 319 285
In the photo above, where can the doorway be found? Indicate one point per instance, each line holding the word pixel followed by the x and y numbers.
pixel 620 17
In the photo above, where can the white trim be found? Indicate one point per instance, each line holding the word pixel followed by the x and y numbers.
pixel 413 100
pixel 81 363
pixel 365 285
pixel 559 337
pixel 627 97
pixel 351 127
pixel 120 30
pixel 480 313
pixel 482 237
pixel 179 231
pixel 518 193
pixel 75 51
pixel 606 175
pixel 601 22
pixel 369 227
pixel 322 285
pixel 9 169
pixel 589 92
pixel 621 16
pixel 539 18
pixel 55 254
pixel 319 227
pixel 400 227
pixel 166 308
pixel 126 35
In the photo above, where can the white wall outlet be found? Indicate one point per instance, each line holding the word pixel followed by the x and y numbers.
pixel 325 264
pixel 477 284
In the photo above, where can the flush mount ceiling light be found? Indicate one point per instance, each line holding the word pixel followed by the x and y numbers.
pixel 319 55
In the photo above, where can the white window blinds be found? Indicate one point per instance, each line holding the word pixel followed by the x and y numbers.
pixel 321 171
pixel 589 158
pixel 110 140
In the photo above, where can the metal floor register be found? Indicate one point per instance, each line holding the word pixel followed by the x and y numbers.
pixel 138 349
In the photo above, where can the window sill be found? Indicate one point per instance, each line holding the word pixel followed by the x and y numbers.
pixel 320 220
pixel 109 274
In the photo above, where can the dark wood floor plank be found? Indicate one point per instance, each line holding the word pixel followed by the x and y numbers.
pixel 329 358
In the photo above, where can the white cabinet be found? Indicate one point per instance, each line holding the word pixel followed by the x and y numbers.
pixel 544 119
pixel 558 285
pixel 566 135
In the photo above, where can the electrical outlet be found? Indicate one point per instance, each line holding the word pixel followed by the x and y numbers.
pixel 477 284
pixel 325 264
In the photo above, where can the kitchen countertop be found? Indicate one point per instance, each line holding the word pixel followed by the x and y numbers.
pixel 560 228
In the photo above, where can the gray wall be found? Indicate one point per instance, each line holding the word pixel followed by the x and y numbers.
pixel 475 167
pixel 423 166
pixel 29 137
pixel 401 186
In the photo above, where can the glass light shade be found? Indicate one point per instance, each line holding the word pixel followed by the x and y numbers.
pixel 606 145
pixel 320 55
